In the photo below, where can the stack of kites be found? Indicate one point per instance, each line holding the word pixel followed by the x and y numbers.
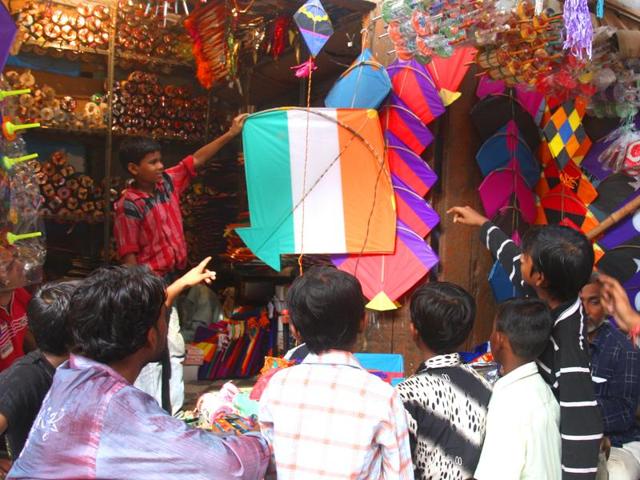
pixel 409 96
pixel 505 121
pixel 531 165
pixel 234 347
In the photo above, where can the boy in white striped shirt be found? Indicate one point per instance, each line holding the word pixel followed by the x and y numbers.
pixel 555 262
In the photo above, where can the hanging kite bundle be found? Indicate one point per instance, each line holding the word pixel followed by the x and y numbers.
pixel 207 28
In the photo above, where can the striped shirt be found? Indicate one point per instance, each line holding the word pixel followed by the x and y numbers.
pixel 150 226
pixel 329 418
pixel 446 404
pixel 13 328
pixel 564 365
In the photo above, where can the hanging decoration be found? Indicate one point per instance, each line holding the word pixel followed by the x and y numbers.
pixel 316 29
pixel 578 28
pixel 207 27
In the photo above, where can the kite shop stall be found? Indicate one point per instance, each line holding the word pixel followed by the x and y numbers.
pixel 368 120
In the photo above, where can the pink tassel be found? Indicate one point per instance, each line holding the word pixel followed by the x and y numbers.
pixel 304 69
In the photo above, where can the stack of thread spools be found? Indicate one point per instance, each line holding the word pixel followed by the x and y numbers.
pixel 142 106
pixel 44 105
pixel 70 195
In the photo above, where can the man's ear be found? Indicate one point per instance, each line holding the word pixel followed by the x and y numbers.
pixel 414 332
pixel 540 280
pixel 133 168
pixel 152 337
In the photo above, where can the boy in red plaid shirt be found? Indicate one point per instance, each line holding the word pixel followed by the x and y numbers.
pixel 148 230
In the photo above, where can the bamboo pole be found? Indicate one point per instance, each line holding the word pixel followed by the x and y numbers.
pixel 614 218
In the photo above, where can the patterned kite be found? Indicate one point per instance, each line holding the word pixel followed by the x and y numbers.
pixel 565 133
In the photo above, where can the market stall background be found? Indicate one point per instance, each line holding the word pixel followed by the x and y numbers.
pixel 457 118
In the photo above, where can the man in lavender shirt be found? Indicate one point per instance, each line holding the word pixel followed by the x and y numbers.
pixel 94 424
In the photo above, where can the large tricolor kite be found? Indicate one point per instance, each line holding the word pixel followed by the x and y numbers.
pixel 317 182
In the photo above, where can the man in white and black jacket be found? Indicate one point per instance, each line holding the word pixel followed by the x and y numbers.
pixel 554 263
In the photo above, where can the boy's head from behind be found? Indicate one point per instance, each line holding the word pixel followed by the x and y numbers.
pixel 522 330
pixel 442 316
pixel 47 313
pixel 326 308
pixel 557 260
pixel 141 158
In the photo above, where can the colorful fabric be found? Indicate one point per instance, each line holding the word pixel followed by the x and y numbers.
pixel 566 135
pixel 446 404
pixel 570 176
pixel 397 118
pixel 13 328
pixel 385 278
pixel 413 210
pixel 329 418
pixel 110 429
pixel 412 83
pixel 408 166
pixel 150 226
pixel 316 181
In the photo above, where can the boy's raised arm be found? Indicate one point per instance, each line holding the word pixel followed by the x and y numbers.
pixel 501 247
pixel 206 153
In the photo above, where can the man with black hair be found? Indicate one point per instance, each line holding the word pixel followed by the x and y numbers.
pixel 24 385
pixel 615 369
pixel 446 401
pixel 523 437
pixel 148 230
pixel 95 424
pixel 555 262
pixel 328 417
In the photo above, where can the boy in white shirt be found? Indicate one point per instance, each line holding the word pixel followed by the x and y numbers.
pixel 523 423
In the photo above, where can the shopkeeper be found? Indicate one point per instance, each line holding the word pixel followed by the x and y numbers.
pixel 148 230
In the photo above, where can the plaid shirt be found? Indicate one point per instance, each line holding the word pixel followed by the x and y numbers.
pixel 150 226
pixel 615 369
pixel 330 418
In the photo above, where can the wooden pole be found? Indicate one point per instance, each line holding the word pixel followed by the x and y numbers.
pixel 614 218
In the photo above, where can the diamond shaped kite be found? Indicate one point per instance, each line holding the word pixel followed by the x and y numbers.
pixel 565 133
pixel 314 24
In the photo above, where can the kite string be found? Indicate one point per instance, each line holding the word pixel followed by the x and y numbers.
pixel 304 176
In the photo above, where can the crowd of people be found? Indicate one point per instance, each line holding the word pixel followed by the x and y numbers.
pixel 564 406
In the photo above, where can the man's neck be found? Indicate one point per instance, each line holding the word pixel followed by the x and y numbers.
pixel 55 360
pixel 129 368
pixel 544 295
pixel 510 364
pixel 145 187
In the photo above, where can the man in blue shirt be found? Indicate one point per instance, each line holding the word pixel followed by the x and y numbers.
pixel 615 369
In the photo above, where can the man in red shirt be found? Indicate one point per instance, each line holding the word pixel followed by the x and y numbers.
pixel 15 338
pixel 148 230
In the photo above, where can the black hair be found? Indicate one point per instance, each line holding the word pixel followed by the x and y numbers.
pixel 113 310
pixel 443 314
pixel 326 307
pixel 134 149
pixel 563 255
pixel 527 323
pixel 47 313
